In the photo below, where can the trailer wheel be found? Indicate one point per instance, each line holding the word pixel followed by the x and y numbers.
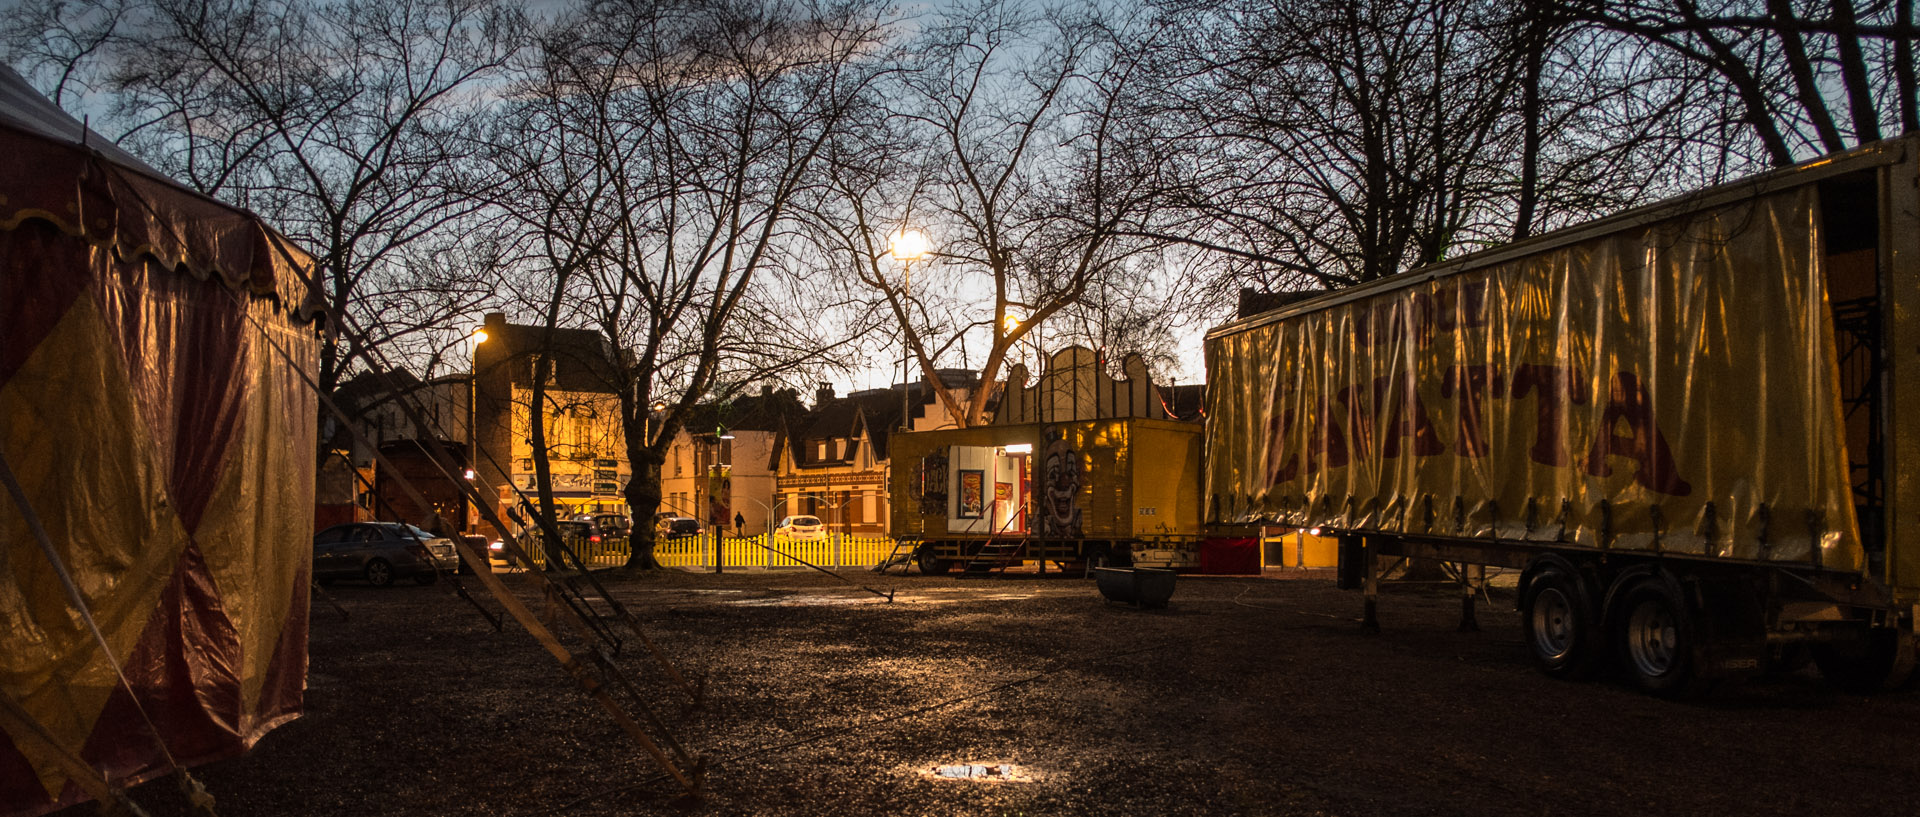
pixel 931 564
pixel 1657 638
pixel 1883 661
pixel 1563 631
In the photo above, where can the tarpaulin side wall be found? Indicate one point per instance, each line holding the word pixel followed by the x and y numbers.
pixel 1664 387
pixel 168 449
pixel 1230 556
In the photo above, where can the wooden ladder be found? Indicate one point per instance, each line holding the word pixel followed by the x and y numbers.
pixel 903 550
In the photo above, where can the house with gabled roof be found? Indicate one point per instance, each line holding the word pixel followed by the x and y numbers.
pixel 833 462
pixel 721 481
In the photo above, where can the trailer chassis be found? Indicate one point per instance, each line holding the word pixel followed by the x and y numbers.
pixel 1670 623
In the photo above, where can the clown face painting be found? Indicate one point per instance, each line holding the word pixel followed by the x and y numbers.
pixel 1059 487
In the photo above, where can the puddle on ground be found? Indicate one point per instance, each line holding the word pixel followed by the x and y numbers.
pixel 989 772
pixel 808 601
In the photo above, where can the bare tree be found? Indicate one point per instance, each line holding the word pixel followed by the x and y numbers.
pixel 1007 150
pixel 1325 144
pixel 1330 143
pixel 59 44
pixel 1810 76
pixel 344 123
pixel 657 151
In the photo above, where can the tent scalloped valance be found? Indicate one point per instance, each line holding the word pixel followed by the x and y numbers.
pixel 89 197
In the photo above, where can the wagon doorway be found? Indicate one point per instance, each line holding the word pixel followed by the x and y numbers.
pixel 989 492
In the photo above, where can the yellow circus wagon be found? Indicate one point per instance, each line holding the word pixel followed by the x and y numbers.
pixel 157 436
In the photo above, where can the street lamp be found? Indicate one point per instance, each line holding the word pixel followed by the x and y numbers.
pixel 906 245
pixel 721 480
pixel 657 407
pixel 479 336
pixel 1011 324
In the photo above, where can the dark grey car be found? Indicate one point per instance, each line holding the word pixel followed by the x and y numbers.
pixel 381 552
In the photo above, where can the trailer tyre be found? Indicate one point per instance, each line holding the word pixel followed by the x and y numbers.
pixel 1563 630
pixel 931 564
pixel 1883 662
pixel 1657 639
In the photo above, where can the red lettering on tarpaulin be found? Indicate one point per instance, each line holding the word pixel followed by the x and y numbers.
pixel 1359 420
pixel 1643 443
pixel 1473 303
pixel 1421 316
pixel 1406 417
pixel 1445 303
pixel 1470 385
pixel 1377 417
pixel 1329 441
pixel 1555 390
pixel 1280 420
pixel 1326 443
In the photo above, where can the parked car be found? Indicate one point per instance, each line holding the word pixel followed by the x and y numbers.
pixel 480 546
pixel 676 527
pixel 800 529
pixel 381 552
pixel 575 533
pixel 609 523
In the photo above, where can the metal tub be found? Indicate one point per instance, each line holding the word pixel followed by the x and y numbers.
pixel 1138 586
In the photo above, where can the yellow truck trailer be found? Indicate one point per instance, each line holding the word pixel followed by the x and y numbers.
pixel 1689 425
pixel 1087 491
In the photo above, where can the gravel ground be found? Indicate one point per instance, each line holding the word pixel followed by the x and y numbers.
pixel 1245 696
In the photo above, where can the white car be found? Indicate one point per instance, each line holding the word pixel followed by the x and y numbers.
pixel 800 529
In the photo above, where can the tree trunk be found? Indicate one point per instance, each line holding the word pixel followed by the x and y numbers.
pixel 1853 69
pixel 643 499
pixel 1536 56
pixel 1903 69
pixel 1807 90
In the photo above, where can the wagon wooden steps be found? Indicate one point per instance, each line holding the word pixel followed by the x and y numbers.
pixel 995 556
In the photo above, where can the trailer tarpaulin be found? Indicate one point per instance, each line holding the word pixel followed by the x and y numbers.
pixel 167 447
pixel 1669 386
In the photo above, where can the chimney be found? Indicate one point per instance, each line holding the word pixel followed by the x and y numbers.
pixel 766 390
pixel 824 394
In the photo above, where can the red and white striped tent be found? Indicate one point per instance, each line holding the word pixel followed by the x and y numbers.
pixel 155 408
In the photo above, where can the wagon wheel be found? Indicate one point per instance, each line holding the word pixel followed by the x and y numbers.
pixel 929 563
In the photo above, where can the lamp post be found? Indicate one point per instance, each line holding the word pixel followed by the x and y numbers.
pixel 906 245
pixel 720 481
pixel 479 336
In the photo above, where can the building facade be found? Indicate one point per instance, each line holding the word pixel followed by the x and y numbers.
pixel 723 481
pixel 408 423
pixel 833 462
pixel 584 439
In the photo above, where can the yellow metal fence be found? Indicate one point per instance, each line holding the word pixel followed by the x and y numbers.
pixel 837 550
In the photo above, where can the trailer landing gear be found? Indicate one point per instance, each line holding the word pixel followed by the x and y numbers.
pixel 1881 660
